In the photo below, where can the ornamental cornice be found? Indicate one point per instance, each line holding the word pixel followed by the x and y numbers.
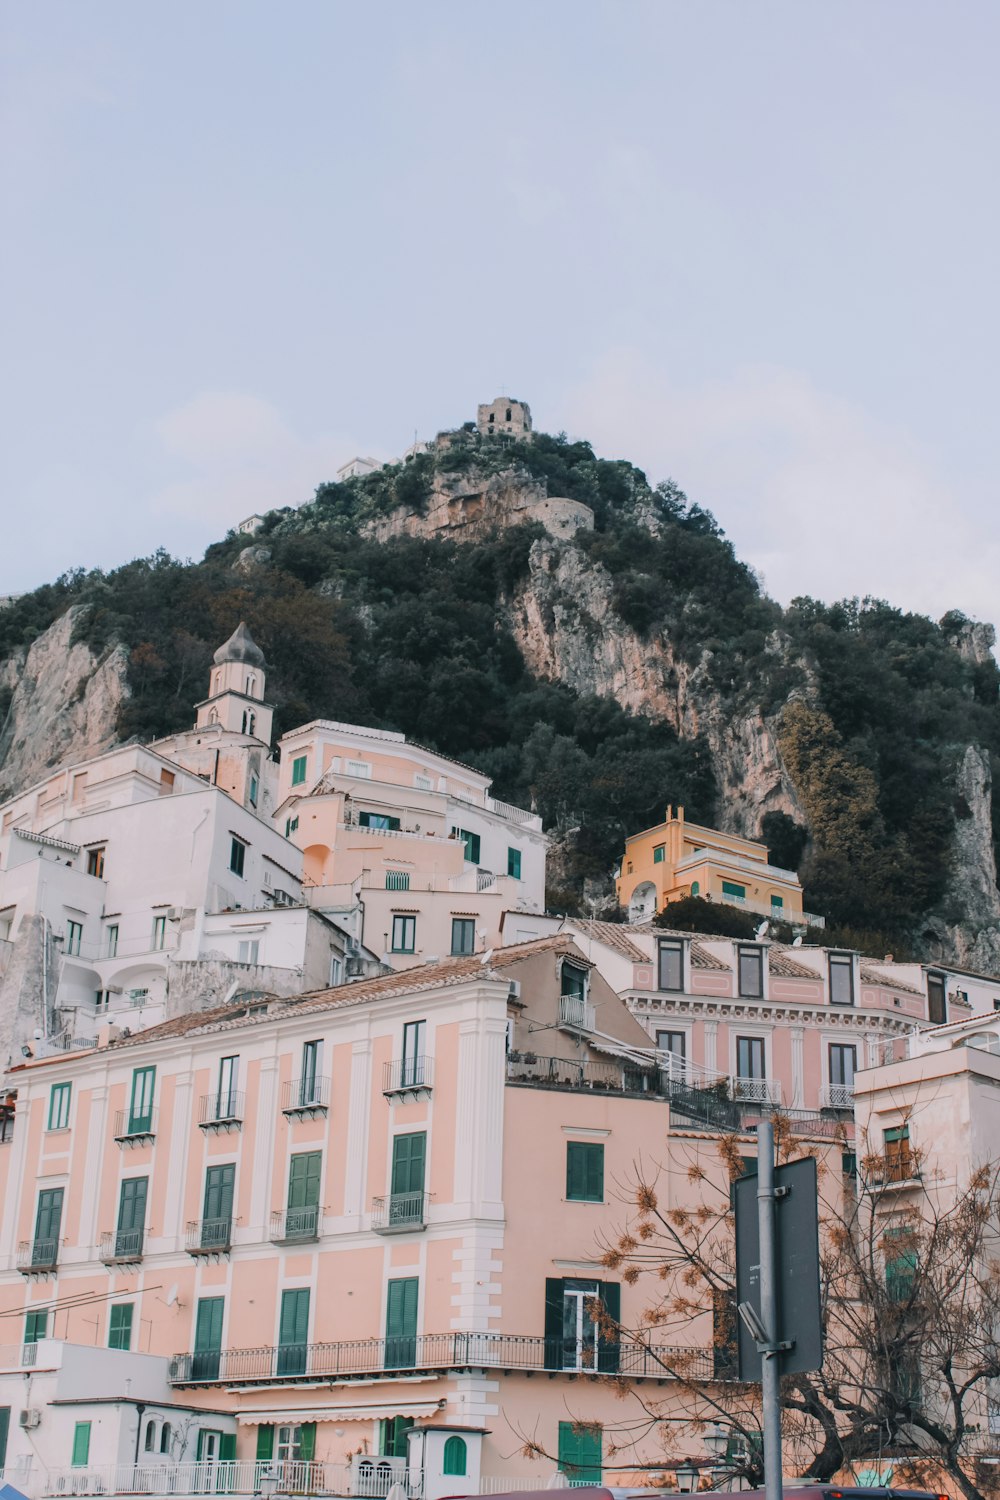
pixel 821 1017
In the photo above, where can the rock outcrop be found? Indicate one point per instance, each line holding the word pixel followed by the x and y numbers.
pixel 467 506
pixel 966 929
pixel 64 705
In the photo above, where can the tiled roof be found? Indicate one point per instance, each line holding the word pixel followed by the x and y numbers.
pixel 345 996
pixel 875 976
pixel 781 962
pixel 612 935
pixel 702 959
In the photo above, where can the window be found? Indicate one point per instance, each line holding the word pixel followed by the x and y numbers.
pixel 472 843
pixel 249 951
pixel 397 880
pixel 733 891
pixel 293 1331
pixel 580 1448
pixel 59 1106
pixel 249 721
pixel 149 1445
pixel 378 820
pixel 937 1008
pixel 237 856
pixel 290 826
pixel 695 887
pixel 120 1325
pixel 843 1062
pixel 312 1062
pixel 671 958
pixel 724 1334
pixel 217 1206
pixel 514 870
pixel 898 1160
pixel 455 1456
pixel 573 1339
pixel 392 1436
pixel 304 1170
pixel 404 934
pixel 659 853
pixel 165 1436
pixel 36 1326
pixel 336 971
pixel 111 940
pixel 254 786
pixel 414 1045
pixel 361 768
pixel 401 1322
pixel 573 981
pixel 48 1226
pixel 95 863
pixel 299 770
pixel 227 1103
pixel 584 1172
pixel 295 1442
pixel 777 903
pixel 409 1156
pixel 750 1057
pixel 463 935
pixel 207 1338
pixel 81 1445
pixel 841 979
pixel 74 935
pixel 140 1115
pixel 131 1216
pixel 751 973
pixel 159 933
pixel 4 1431
pixel 673 1041
pixel 900 1262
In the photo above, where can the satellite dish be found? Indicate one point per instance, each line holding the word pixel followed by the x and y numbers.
pixel 762 930
pixel 171 1297
pixel 797 942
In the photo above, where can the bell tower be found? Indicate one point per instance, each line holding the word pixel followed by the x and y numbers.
pixel 236 689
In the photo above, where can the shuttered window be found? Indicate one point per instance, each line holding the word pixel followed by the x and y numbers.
pixel 584 1172
pixel 401 1323
pixel 120 1326
pixel 81 1445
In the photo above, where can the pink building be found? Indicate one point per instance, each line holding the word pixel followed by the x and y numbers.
pixel 359 1230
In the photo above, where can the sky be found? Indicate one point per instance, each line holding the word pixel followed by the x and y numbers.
pixel 750 246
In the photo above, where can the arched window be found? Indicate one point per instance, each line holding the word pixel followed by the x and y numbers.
pixel 150 1443
pixel 165 1435
pixel 455 1456
pixel 695 887
pixel 251 722
pixel 251 684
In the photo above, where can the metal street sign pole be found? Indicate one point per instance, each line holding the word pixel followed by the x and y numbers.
pixel 770 1364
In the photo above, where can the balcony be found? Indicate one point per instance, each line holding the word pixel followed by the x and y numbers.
pixel 366 1478
pixel 132 1129
pixel 757 1090
pixel 37 1257
pixel 408 1075
pixel 398 1212
pixel 575 1014
pixel 837 1096
pixel 209 1237
pixel 122 1247
pixel 564 1073
pixel 294 1226
pixel 429 1353
pixel 305 1096
pixel 221 1111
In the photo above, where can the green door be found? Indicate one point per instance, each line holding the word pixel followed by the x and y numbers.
pixel 48 1224
pixel 293 1331
pixel 580 1453
pixel 401 1323
pixel 409 1155
pixel 217 1211
pixel 140 1115
pixel 303 1194
pixel 4 1430
pixel 131 1216
pixel 207 1338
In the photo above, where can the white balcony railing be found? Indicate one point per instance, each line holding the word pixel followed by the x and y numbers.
pixel 757 1090
pixel 575 1013
pixel 837 1096
pixel 368 1478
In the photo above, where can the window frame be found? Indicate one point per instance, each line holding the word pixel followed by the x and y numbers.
pixel 938 981
pixel 841 963
pixel 513 862
pixel 670 1031
pixel 753 1045
pixel 238 856
pixel 111 940
pixel 299 764
pixel 74 937
pixel 749 953
pixel 399 924
pixel 60 1097
pixel 585 1166
pixel 95 859
pixel 673 946
pixel 120 1326
pixel 468 930
pixel 159 937
pixel 81 1445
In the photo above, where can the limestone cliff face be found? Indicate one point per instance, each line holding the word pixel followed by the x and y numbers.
pixel 64 706
pixel 466 506
pixel 567 629
pixel 966 930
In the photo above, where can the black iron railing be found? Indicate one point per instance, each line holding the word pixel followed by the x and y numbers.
pixel 37 1255
pixel 404 1074
pixel 209 1236
pixel 397 1212
pixel 135 1125
pixel 303 1096
pixel 121 1245
pixel 292 1225
pixel 224 1107
pixel 444 1351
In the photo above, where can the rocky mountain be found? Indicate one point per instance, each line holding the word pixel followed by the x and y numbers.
pixel 593 643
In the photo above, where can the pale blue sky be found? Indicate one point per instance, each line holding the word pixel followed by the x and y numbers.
pixel 749 245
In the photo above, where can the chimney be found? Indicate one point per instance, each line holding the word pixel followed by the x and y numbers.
pixel 107 1034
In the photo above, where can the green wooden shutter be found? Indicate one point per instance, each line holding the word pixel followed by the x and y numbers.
pixel 227 1446
pixel 584 1172
pixel 303 1180
pixel 455 1455
pixel 36 1326
pixel 401 1322
pixel 48 1218
pixel 81 1445
pixel 132 1203
pixel 207 1338
pixel 307 1441
pixel 554 1293
pixel 120 1326
pixel 408 1159
pixel 4 1430
pixel 265 1443
pixel 608 1349
pixel 580 1452
pixel 293 1331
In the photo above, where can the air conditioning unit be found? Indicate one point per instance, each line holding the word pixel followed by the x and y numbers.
pixel 514 991
pixel 354 968
pixel 174 913
pixel 28 1417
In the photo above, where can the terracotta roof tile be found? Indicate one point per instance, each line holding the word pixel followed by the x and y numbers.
pixel 875 976
pixel 612 935
pixel 702 959
pixel 780 961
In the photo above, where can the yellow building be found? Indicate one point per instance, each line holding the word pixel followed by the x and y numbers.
pixel 677 859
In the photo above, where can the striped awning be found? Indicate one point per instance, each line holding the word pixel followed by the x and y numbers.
pixel 387 1409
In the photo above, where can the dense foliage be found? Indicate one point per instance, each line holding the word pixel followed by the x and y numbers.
pixel 873 706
